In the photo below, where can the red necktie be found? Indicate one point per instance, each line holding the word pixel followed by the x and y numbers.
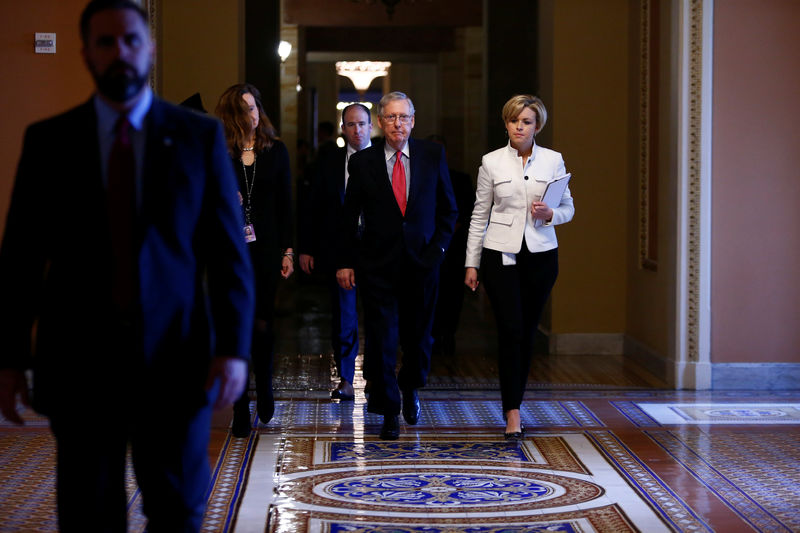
pixel 121 214
pixel 399 182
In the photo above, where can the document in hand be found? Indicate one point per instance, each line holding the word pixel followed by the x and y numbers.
pixel 552 195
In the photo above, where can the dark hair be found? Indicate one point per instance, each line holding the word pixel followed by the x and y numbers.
pixel 95 6
pixel 363 108
pixel 235 116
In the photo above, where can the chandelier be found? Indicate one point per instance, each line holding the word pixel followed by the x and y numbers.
pixel 362 72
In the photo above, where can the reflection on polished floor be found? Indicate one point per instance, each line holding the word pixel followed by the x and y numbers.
pixel 608 449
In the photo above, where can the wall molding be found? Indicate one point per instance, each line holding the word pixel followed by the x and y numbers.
pixel 693 290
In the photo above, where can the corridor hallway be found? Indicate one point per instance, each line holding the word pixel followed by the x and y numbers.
pixel 608 448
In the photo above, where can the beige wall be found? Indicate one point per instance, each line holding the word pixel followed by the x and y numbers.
pixel 756 182
pixel 200 48
pixel 36 86
pixel 651 309
pixel 587 93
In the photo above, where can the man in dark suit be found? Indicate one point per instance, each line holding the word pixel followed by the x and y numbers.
pixel 451 284
pixel 318 237
pixel 123 246
pixel 403 189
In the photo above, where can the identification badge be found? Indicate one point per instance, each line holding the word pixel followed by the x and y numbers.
pixel 249 233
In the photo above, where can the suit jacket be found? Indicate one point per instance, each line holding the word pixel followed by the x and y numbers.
pixel 503 201
pixel 424 232
pixel 320 225
pixel 195 294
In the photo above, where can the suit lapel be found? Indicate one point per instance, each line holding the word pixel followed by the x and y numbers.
pixel 89 137
pixel 341 158
pixel 415 158
pixel 158 154
pixel 381 173
pixel 84 151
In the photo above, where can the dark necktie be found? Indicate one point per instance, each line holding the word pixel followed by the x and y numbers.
pixel 399 182
pixel 122 213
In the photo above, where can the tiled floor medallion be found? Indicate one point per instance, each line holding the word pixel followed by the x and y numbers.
pixel 722 413
pixel 559 482
pixel 608 519
pixel 332 451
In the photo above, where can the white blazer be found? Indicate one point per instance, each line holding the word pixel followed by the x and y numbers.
pixel 503 198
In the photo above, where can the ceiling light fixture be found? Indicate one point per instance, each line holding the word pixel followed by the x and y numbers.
pixel 362 72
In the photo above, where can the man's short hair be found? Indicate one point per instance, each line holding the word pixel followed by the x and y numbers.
pixel 395 95
pixel 95 6
pixel 363 108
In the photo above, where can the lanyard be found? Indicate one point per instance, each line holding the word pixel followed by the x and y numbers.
pixel 249 191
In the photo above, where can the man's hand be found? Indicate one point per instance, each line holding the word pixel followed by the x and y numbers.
pixel 12 382
pixel 346 278
pixel 306 263
pixel 232 375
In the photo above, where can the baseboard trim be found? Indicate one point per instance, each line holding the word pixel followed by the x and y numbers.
pixel 587 343
pixel 760 376
pixel 686 376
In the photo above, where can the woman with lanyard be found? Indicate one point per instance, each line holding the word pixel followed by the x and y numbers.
pixel 261 162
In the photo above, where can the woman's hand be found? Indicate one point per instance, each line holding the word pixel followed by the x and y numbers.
pixel 539 210
pixel 287 263
pixel 471 278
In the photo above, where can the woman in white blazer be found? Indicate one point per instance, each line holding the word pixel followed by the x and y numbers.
pixel 512 238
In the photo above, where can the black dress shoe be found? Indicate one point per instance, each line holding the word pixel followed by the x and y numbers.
pixel 344 392
pixel 391 428
pixel 411 406
pixel 336 394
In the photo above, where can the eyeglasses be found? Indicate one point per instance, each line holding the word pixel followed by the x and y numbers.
pixel 404 119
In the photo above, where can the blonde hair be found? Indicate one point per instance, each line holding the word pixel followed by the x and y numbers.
pixel 517 103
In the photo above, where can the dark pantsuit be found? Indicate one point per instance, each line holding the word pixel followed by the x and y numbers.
pixel 518 294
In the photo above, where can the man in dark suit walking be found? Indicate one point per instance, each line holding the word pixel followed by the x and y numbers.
pixel 123 246
pixel 403 189
pixel 318 237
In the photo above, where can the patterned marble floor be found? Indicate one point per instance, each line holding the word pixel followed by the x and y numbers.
pixel 607 449
pixel 591 461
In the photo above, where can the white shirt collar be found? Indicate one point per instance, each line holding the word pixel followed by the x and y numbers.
pixel 351 150
pixel 389 151
pixel 107 116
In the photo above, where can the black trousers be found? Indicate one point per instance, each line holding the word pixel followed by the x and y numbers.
pixel 398 310
pixel 169 449
pixel 263 347
pixel 518 294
